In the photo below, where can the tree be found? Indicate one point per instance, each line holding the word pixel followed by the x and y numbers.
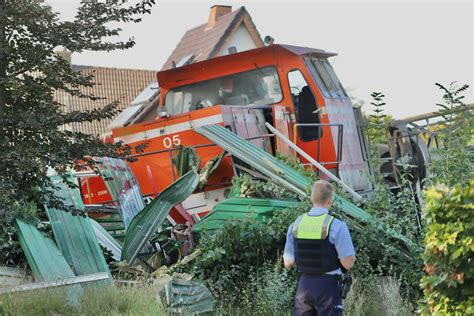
pixel 453 162
pixel 31 140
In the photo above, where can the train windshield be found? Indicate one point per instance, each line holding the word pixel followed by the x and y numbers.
pixel 259 87
pixel 325 77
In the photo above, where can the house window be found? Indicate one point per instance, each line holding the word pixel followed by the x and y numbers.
pixel 259 87
pixel 232 50
pixel 306 109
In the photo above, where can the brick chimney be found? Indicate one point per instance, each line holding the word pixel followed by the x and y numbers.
pixel 216 12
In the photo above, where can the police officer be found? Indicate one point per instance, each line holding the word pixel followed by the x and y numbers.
pixel 319 245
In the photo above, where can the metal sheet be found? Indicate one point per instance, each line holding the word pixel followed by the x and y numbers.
pixel 122 186
pixel 74 234
pixel 235 209
pixel 286 176
pixel 149 219
pixel 106 240
pixel 45 260
pixel 55 283
pixel 187 297
pixel 299 50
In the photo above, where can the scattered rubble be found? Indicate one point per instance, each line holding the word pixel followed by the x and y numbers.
pixel 75 256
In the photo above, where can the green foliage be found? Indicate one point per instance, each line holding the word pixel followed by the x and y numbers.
pixel 10 250
pixel 33 137
pixel 376 130
pixel 448 285
pixel 376 127
pixel 236 257
pixel 271 290
pixel 453 163
pixel 246 186
pixel 377 254
pixel 239 247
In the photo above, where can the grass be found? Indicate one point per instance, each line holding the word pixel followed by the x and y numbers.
pixel 376 296
pixel 95 301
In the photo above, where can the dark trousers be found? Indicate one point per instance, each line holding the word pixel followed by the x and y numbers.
pixel 318 295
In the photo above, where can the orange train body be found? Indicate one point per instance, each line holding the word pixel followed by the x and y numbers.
pixel 285 85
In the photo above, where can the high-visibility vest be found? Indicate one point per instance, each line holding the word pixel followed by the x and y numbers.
pixel 314 254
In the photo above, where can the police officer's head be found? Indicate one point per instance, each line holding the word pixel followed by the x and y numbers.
pixel 322 194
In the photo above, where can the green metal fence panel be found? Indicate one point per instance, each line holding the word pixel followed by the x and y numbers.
pixel 152 216
pixel 122 186
pixel 238 208
pixel 45 260
pixel 107 240
pixel 283 174
pixel 187 297
pixel 74 234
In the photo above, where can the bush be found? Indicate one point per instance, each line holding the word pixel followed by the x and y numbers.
pixel 239 251
pixel 236 257
pixel 448 285
pixel 10 250
pixel 246 257
pixel 453 163
pixel 270 291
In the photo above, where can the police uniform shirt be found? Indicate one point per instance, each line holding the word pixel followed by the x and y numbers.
pixel 339 236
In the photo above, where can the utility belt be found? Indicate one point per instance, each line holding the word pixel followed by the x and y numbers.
pixel 344 281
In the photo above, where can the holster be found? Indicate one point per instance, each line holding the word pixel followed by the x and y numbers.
pixel 345 285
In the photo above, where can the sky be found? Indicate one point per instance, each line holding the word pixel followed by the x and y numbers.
pixel 400 48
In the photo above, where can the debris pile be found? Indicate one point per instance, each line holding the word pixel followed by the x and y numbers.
pixel 146 256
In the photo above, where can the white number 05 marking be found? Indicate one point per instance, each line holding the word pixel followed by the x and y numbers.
pixel 170 141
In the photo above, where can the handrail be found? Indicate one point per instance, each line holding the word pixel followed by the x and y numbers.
pixel 347 188
pixel 340 130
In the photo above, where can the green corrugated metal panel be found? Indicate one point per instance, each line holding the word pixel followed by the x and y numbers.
pixel 107 240
pixel 74 234
pixel 152 216
pixel 44 258
pixel 284 175
pixel 122 186
pixel 187 297
pixel 238 209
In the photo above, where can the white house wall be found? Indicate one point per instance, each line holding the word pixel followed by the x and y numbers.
pixel 240 39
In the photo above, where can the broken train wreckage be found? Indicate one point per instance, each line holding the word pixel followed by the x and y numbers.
pixel 216 119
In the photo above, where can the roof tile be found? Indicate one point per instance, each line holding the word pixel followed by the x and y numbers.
pixel 112 84
pixel 202 41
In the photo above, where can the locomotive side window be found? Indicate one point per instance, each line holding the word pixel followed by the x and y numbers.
pixel 260 87
pixel 306 109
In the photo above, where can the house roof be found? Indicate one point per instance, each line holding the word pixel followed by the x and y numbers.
pixel 112 84
pixel 203 42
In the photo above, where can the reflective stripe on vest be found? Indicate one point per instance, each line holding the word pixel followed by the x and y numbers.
pixel 312 227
